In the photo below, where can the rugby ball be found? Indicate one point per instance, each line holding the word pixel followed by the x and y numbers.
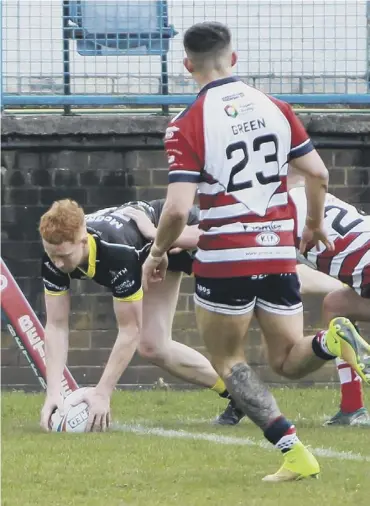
pixel 74 418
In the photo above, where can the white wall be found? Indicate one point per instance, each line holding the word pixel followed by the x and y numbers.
pixel 278 40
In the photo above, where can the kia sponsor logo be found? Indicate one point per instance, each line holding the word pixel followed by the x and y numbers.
pixel 268 239
pixel 3 282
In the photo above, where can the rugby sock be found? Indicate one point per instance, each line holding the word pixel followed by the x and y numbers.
pixel 282 434
pixel 220 388
pixel 350 387
pixel 319 346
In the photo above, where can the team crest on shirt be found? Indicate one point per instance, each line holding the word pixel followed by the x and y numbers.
pixel 231 111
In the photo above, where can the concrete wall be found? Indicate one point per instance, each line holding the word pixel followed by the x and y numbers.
pixel 105 160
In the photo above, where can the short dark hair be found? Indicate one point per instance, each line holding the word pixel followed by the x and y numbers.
pixel 207 37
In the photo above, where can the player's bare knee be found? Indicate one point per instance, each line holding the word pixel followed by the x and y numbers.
pixel 151 351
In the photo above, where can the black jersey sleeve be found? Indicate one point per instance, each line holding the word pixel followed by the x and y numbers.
pixel 55 281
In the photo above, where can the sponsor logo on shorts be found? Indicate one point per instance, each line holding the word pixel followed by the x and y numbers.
pixel 3 282
pixel 126 285
pixel 268 239
pixel 202 290
pixel 117 274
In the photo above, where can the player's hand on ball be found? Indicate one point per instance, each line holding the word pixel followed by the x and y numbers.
pixel 50 405
pixel 99 409
pixel 313 235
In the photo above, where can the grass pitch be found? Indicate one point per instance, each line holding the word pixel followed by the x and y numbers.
pixel 165 452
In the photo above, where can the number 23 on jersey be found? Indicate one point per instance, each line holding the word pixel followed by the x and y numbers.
pixel 254 172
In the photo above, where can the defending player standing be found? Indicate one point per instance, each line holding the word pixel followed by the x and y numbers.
pixel 234 142
pixel 109 249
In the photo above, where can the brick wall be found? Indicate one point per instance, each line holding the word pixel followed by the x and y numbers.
pixel 104 161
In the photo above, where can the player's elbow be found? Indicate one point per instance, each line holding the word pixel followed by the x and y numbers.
pixel 177 212
pixel 321 174
pixel 318 173
pixel 311 166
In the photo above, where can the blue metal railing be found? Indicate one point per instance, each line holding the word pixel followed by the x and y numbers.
pixel 129 52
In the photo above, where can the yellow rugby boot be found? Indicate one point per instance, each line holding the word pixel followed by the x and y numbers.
pixel 343 341
pixel 298 463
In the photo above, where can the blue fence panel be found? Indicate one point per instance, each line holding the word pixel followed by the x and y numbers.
pixel 129 52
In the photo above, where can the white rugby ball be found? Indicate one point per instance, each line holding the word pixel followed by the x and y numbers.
pixel 74 418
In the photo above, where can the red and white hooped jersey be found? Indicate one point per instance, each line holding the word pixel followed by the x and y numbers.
pixel 235 143
pixel 350 232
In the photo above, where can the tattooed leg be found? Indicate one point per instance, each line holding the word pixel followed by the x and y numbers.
pixel 252 396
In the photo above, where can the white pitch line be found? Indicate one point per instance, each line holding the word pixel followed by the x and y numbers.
pixel 230 440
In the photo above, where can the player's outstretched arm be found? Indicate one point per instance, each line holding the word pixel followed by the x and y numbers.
pixel 188 239
pixel 129 322
pixel 180 198
pixel 56 350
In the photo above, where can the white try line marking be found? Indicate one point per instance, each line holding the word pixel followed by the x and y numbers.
pixel 230 440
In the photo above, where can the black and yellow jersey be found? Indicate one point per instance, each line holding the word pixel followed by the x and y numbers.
pixel 117 251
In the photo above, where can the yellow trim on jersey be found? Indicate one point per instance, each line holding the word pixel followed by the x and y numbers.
pixel 48 292
pixel 92 258
pixel 132 298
